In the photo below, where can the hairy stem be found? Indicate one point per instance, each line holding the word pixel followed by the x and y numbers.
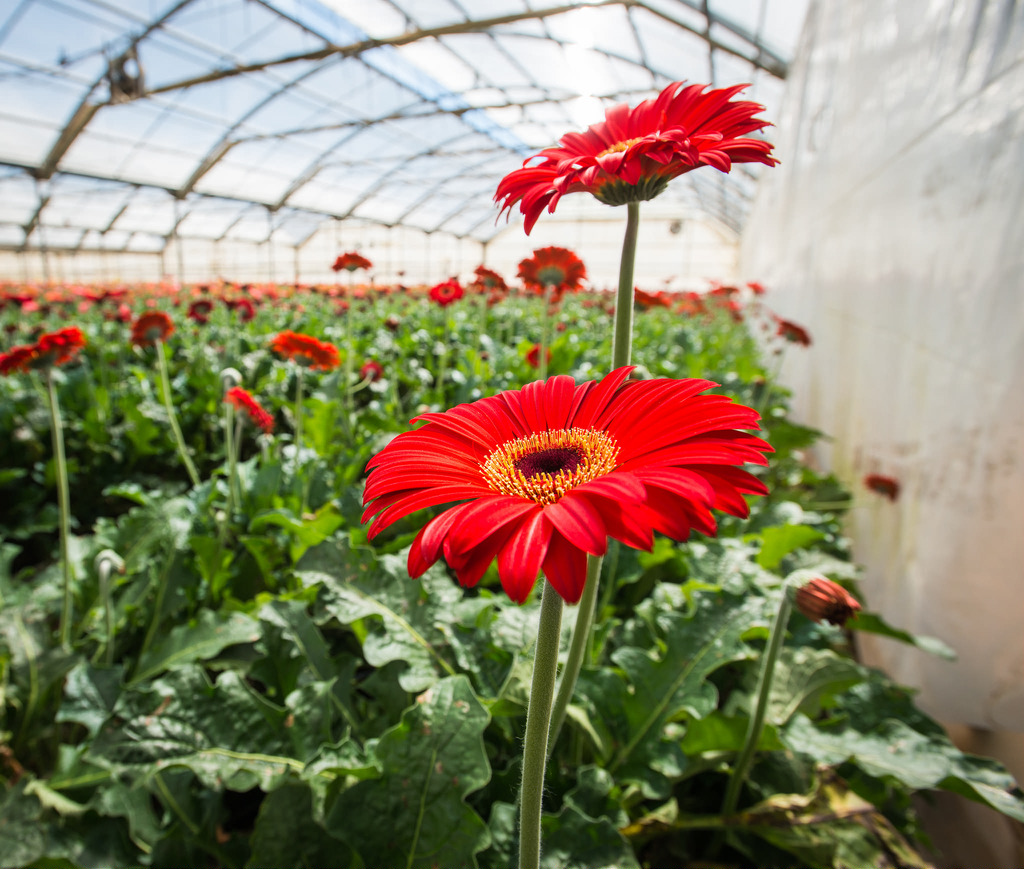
pixel 64 507
pixel 172 417
pixel 538 723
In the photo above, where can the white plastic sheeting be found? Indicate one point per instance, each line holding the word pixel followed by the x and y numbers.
pixel 893 232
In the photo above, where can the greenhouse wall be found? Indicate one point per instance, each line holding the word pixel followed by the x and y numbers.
pixel 892 232
pixel 676 250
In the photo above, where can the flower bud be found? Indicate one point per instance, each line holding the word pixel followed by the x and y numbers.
pixel 824 599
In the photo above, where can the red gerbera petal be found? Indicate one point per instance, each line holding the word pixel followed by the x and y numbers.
pixel 541 476
pixel 633 154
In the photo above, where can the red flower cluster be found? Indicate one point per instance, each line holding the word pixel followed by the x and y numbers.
pixel 52 349
pixel 546 473
pixel 151 327
pixel 306 350
pixel 633 154
pixel 557 268
pixel 886 486
pixel 351 261
pixel 243 400
pixel 447 292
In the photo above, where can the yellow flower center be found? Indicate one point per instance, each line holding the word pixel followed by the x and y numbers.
pixel 545 465
pixel 619 146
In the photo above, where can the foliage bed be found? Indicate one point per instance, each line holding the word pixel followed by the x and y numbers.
pixel 266 688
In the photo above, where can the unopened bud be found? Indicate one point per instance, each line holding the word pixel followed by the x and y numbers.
pixel 824 599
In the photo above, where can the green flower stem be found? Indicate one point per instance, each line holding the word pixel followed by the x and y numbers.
pixel 179 439
pixel 298 433
pixel 578 648
pixel 623 341
pixel 229 446
pixel 764 687
pixel 542 359
pixel 442 363
pixel 64 506
pixel 348 366
pixel 538 722
pixel 621 351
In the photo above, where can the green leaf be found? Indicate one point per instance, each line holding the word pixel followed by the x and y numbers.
pixel 673 682
pixel 224 732
pixel 286 833
pixel 920 761
pixel 90 693
pixel 22 836
pixel 305 533
pixel 407 613
pixel 724 733
pixel 213 559
pixel 779 540
pixel 872 623
pixel 205 637
pixel 806 677
pixel 415 814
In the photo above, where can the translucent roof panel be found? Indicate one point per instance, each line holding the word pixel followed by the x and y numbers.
pixel 126 123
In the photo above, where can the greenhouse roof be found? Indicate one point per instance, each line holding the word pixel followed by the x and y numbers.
pixel 126 122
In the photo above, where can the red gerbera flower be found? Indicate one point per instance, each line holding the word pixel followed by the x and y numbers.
pixel 645 300
pixel 18 359
pixel 243 400
pixel 200 310
pixel 555 267
pixel 56 348
pixel 633 154
pixel 793 333
pixel 151 327
pixel 52 349
pixel 533 356
pixel 489 280
pixel 548 472
pixel 371 370
pixel 306 350
pixel 883 485
pixel 447 292
pixel 351 261
pixel 824 599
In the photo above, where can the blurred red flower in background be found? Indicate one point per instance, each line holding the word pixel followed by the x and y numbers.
pixel 243 400
pixel 488 280
pixel 351 261
pixel 546 473
pixel 883 485
pixel 557 268
pixel 533 356
pixel 447 292
pixel 51 349
pixel 306 350
pixel 371 370
pixel 793 333
pixel 633 154
pixel 151 327
pixel 200 310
